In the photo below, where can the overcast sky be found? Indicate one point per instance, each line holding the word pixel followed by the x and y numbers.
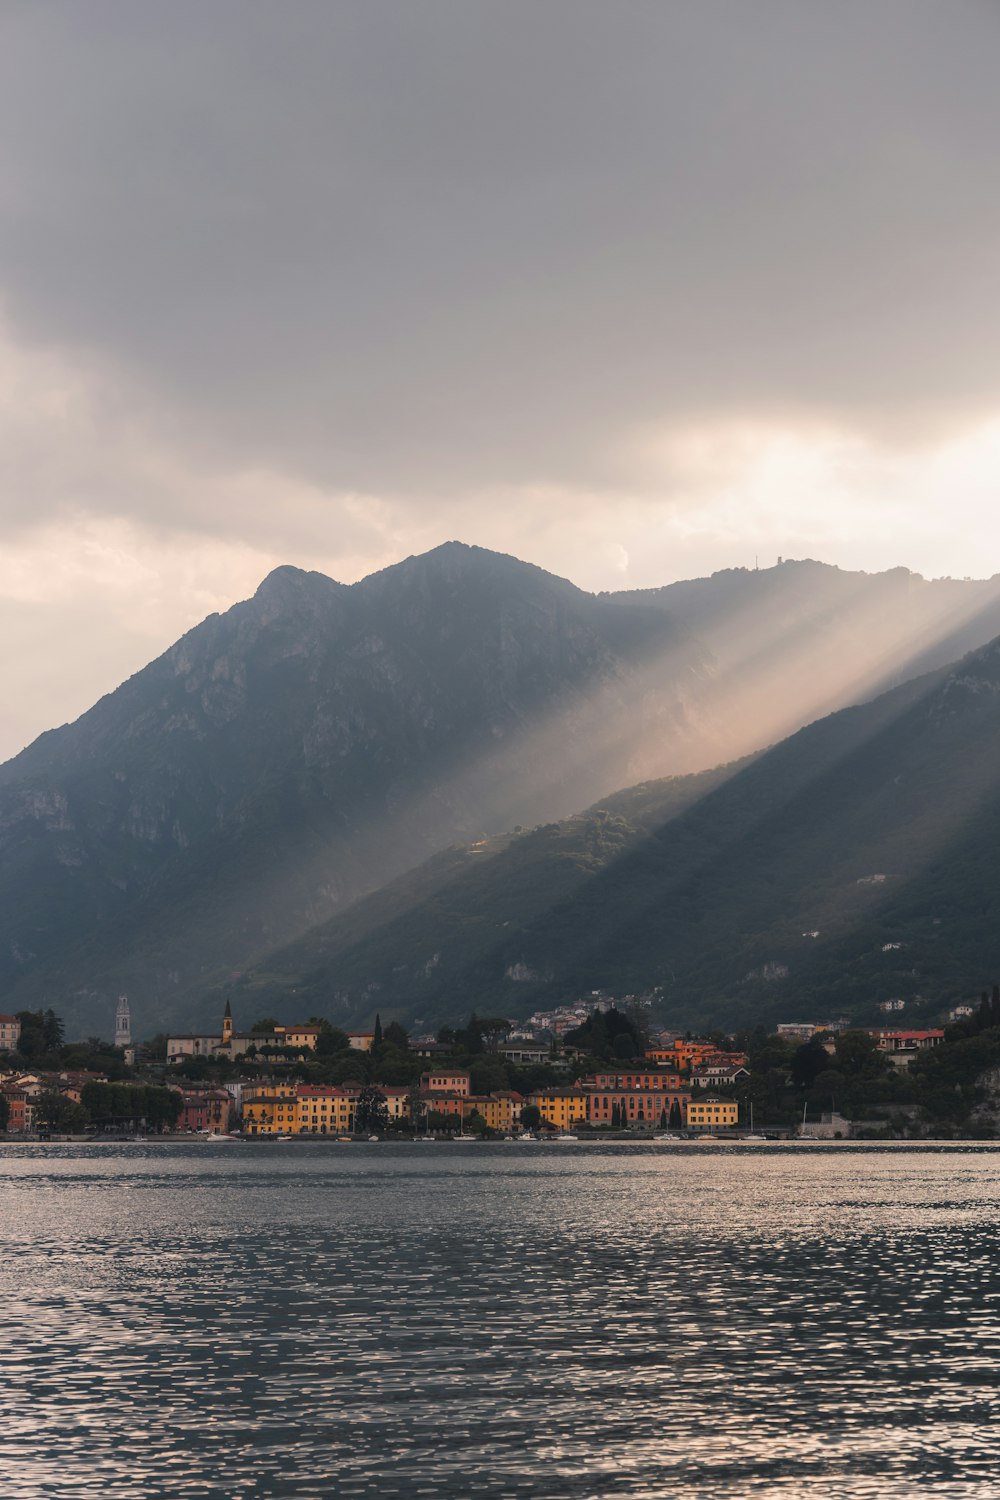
pixel 635 290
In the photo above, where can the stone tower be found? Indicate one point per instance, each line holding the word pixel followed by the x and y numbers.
pixel 123 1023
pixel 227 1025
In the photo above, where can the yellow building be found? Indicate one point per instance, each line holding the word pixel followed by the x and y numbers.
pixel 397 1099
pixel 301 1035
pixel 501 1111
pixel 711 1112
pixel 560 1107
pixel 324 1109
pixel 269 1109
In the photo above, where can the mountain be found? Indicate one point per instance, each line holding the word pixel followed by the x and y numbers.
pixel 318 741
pixel 854 863
pixel 308 745
pixel 794 642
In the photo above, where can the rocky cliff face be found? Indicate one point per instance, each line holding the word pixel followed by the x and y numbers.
pixel 306 746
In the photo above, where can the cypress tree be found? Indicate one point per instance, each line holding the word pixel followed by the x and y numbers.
pixel 377 1039
pixel 985 1012
pixel 995 1005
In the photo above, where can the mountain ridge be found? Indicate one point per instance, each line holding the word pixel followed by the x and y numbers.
pixel 319 739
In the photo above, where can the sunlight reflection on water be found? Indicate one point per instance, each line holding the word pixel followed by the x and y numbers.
pixel 311 1320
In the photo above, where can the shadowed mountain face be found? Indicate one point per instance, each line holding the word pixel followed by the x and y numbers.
pixel 305 747
pixel 318 741
pixel 855 863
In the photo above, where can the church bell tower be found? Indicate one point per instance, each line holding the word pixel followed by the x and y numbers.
pixel 123 1023
pixel 227 1025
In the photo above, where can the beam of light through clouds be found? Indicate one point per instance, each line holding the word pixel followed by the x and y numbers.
pixel 632 291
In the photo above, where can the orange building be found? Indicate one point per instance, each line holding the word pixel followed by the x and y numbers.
pixel 683 1054
pixel 651 1078
pixel 445 1081
pixel 648 1107
pixel 17 1103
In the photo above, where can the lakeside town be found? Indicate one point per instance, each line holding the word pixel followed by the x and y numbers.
pixel 586 1071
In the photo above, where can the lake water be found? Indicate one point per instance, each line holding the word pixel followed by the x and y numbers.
pixel 503 1320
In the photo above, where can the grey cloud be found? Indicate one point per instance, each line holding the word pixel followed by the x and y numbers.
pixel 418 247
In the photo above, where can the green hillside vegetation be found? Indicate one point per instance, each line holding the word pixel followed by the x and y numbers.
pixel 875 829
pixel 402 948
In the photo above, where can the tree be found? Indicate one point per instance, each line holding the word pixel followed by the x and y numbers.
pixel 371 1111
pixel 493 1031
pixel 808 1062
pixel 346 1067
pixel 58 1112
pixel 4 1112
pixel 600 1032
pixel 531 1117
pixel 377 1035
pixel 859 1054
pixel 489 1075
pixel 663 1118
pixel 52 1028
pixel 674 1122
pixel 394 1066
pixel 416 1107
pixel 331 1040
pixel 995 1005
pixel 32 1039
pixel 159 1107
pixel 396 1036
pixel 265 1024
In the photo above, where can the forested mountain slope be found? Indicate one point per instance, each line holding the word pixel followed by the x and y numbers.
pixel 853 863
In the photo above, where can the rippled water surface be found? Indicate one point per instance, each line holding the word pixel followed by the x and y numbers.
pixel 545 1321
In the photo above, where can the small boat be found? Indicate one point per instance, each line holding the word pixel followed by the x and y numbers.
pixel 463 1138
pixel 374 1137
pixel 425 1138
pixel 217 1139
pixel 566 1135
pixel 526 1135
pixel 751 1136
pixel 666 1137
pixel 284 1138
